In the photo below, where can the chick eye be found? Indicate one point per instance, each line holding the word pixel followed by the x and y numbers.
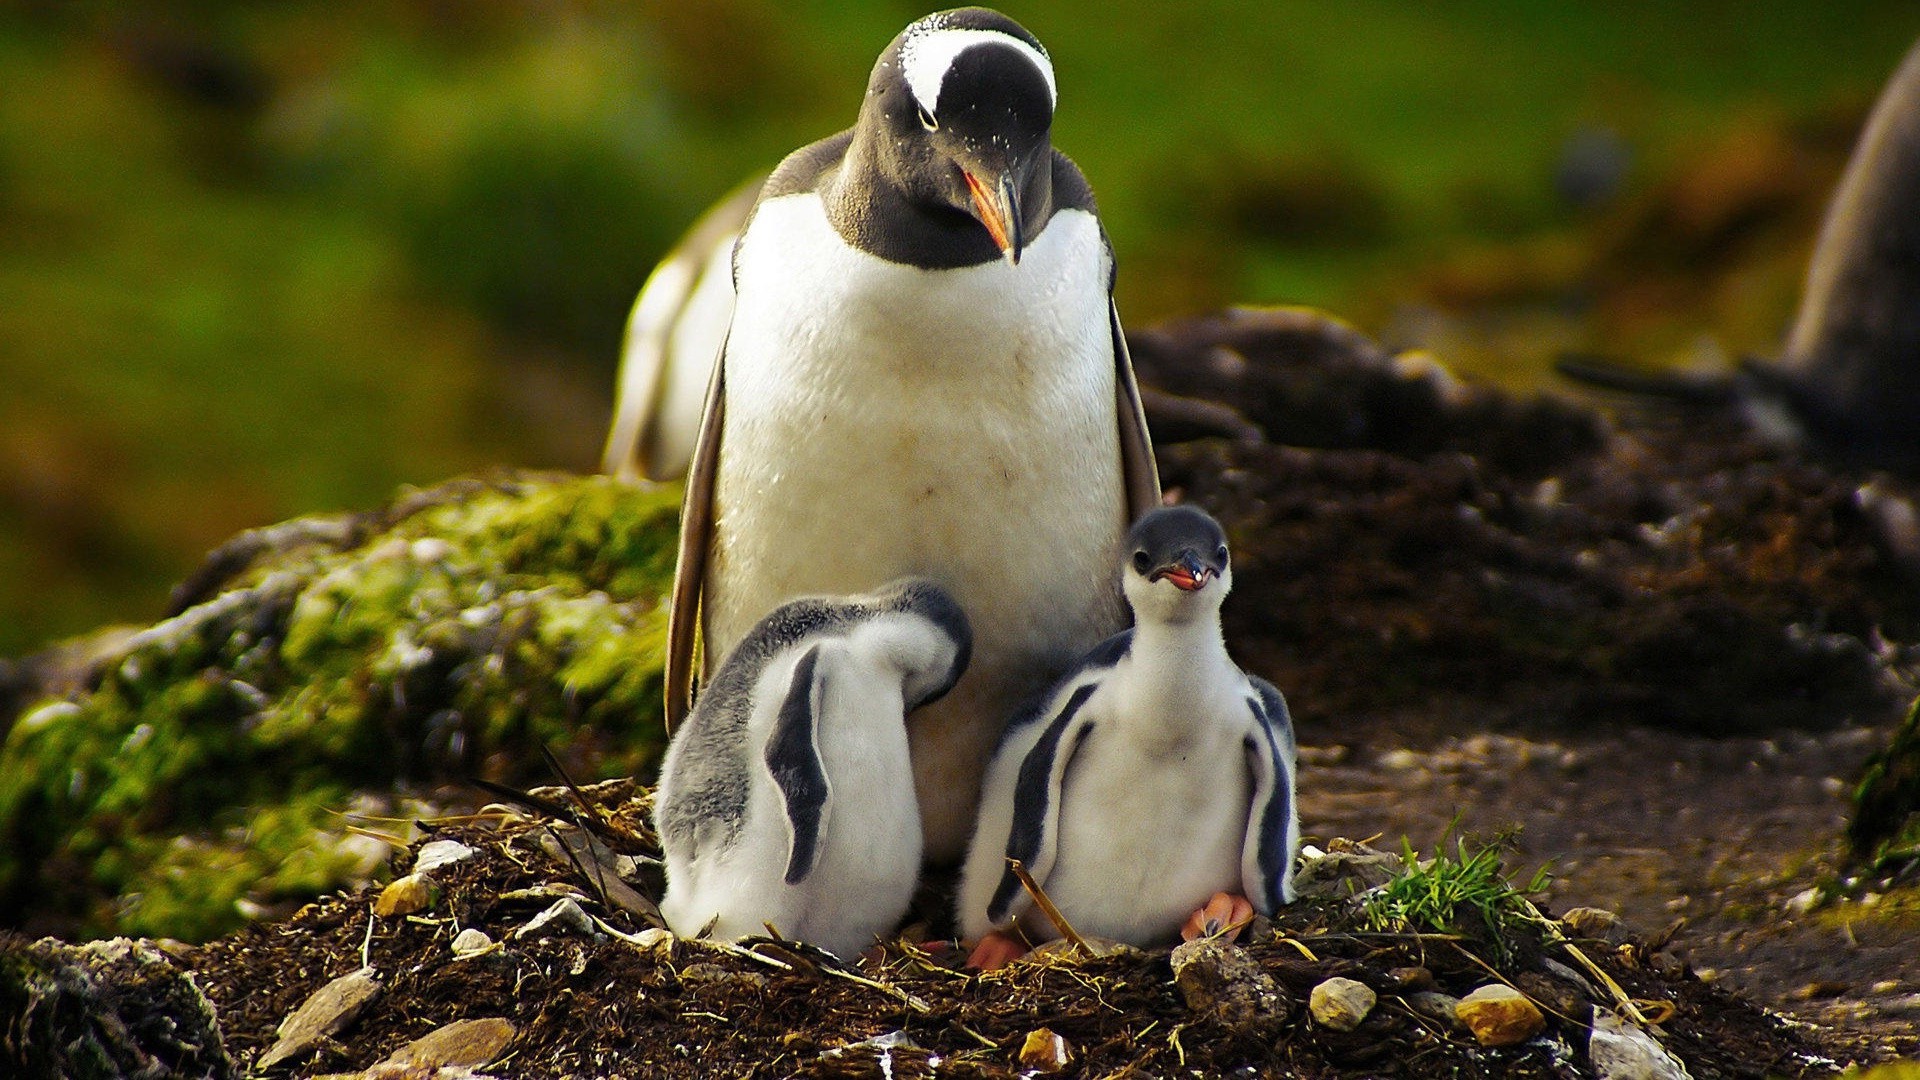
pixel 1220 553
pixel 927 119
pixel 1140 562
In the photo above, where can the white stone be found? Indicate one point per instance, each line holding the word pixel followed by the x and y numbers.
pixel 471 942
pixel 1624 1051
pixel 438 853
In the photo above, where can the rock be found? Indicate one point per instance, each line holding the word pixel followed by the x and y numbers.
pixel 461 1044
pixel 329 1011
pixel 564 917
pixel 1593 922
pixel 1341 1004
pixel 600 866
pixel 405 896
pixel 471 942
pixel 1571 977
pixel 654 941
pixel 1499 1015
pixel 1097 946
pixel 1623 1051
pixel 1045 1052
pixel 1343 870
pixel 1557 996
pixel 1411 979
pixel 106 1009
pixel 1225 984
pixel 1435 1006
pixel 435 854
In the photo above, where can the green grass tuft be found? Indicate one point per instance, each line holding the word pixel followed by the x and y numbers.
pixel 1467 893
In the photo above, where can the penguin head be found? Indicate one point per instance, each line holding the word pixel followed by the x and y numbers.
pixel 1177 567
pixel 962 103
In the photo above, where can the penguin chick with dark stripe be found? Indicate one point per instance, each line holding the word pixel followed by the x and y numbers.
pixel 787 799
pixel 1154 777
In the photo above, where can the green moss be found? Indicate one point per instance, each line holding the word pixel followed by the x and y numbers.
pixel 1884 830
pixel 468 628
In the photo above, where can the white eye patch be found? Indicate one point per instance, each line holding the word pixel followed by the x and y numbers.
pixel 926 57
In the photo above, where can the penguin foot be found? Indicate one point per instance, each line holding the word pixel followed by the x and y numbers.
pixel 996 950
pixel 1224 914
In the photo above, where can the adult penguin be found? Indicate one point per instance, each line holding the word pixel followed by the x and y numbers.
pixel 924 375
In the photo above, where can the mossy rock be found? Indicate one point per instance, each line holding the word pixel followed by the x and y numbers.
pixel 109 1010
pixel 1884 831
pixel 160 781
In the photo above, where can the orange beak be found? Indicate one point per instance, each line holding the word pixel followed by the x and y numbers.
pixel 998 209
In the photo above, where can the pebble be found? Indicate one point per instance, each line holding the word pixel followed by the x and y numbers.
pixel 1623 1051
pixel 471 942
pixel 1593 922
pixel 1438 1007
pixel 406 895
pixel 654 940
pixel 1560 997
pixel 1341 1004
pixel 435 854
pixel 1043 1051
pixel 462 1044
pixel 1411 979
pixel 1227 984
pixel 1499 1015
pixel 324 1014
pixel 564 917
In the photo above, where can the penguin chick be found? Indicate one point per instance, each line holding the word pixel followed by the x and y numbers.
pixel 787 799
pixel 1154 776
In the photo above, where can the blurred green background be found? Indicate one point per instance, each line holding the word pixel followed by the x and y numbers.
pixel 258 260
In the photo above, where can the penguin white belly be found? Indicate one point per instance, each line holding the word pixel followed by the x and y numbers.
pixel 958 424
pixel 1136 876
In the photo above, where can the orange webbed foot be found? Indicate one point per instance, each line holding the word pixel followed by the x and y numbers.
pixel 995 951
pixel 1224 914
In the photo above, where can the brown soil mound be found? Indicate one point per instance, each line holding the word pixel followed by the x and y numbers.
pixel 585 1002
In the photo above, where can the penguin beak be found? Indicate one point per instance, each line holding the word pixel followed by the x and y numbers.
pixel 998 208
pixel 1187 573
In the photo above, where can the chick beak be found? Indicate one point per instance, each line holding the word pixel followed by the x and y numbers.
pixel 998 208
pixel 1187 573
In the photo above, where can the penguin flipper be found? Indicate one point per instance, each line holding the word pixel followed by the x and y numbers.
pixel 1273 819
pixel 686 301
pixel 1035 837
pixel 696 537
pixel 793 758
pixel 1139 473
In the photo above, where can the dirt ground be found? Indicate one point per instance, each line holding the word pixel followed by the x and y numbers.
pixel 584 1003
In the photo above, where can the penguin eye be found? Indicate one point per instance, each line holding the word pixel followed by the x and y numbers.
pixel 1141 563
pixel 927 119
pixel 1220 553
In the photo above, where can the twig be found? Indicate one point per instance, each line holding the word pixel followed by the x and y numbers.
pixel 1302 947
pixel 746 954
pixel 976 1036
pixel 894 992
pixel 1619 995
pixel 366 943
pixel 1046 907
